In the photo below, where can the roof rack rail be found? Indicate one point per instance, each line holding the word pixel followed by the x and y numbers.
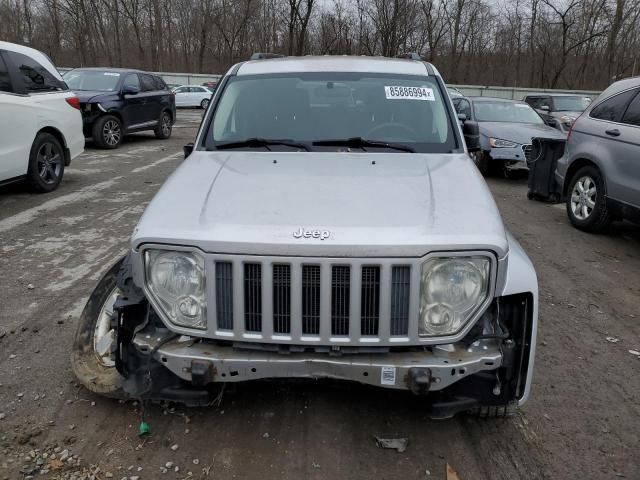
pixel 410 56
pixel 265 56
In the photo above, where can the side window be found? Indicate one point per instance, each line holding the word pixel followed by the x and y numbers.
pixel 132 80
pixel 183 90
pixel 5 81
pixel 148 85
pixel 632 115
pixel 159 83
pixel 34 76
pixel 613 108
pixel 533 101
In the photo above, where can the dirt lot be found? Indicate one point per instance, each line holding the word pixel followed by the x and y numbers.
pixel 582 422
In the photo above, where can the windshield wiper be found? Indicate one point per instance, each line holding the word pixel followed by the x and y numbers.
pixel 261 142
pixel 359 142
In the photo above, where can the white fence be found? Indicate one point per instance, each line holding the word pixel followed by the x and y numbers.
pixel 514 93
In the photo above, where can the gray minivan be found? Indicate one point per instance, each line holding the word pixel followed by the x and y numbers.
pixel 600 169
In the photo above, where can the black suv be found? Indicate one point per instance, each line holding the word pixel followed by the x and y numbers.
pixel 115 102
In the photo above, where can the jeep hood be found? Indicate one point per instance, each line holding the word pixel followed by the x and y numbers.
pixel 382 204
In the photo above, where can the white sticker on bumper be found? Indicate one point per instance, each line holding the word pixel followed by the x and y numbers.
pixel 388 376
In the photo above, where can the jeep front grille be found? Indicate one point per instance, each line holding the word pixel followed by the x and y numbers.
pixel 296 300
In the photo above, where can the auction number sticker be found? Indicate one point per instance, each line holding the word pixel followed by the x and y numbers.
pixel 388 376
pixel 409 93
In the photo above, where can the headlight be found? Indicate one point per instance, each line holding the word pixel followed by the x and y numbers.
pixel 499 143
pixel 567 120
pixel 452 289
pixel 177 282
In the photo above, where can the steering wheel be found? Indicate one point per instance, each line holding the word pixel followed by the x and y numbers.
pixel 390 126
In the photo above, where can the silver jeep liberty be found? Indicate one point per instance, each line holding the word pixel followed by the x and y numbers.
pixel 326 223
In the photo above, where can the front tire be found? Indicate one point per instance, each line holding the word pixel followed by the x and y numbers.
pixel 481 159
pixel 46 163
pixel 163 131
pixel 107 132
pixel 204 103
pixel 91 366
pixel 586 201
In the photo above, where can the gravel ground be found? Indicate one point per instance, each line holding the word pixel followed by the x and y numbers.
pixel 582 422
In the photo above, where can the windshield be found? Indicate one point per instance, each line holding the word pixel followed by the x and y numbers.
pixel 92 80
pixel 571 103
pixel 319 107
pixel 498 111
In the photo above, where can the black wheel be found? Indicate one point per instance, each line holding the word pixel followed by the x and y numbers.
pixel 481 159
pixel 204 103
pixel 587 202
pixel 495 411
pixel 107 132
pixel 163 130
pixel 46 163
pixel 90 358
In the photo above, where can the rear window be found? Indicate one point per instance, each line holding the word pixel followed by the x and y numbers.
pixel 159 83
pixel 35 77
pixel 315 107
pixel 148 83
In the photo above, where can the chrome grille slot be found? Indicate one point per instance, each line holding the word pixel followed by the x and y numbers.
pixel 310 299
pixel 370 301
pixel 224 295
pixel 253 297
pixel 400 288
pixel 340 298
pixel 281 298
pixel 526 149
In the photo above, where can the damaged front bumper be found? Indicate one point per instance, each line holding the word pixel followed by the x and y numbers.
pixel 203 362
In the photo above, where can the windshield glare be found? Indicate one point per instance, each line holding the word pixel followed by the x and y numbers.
pixel 92 80
pixel 571 104
pixel 313 107
pixel 488 111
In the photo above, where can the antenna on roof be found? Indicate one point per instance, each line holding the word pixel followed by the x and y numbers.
pixel 266 56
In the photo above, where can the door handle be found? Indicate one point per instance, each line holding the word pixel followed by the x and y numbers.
pixel 614 132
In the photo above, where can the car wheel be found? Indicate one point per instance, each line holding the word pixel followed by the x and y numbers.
pixel 91 353
pixel 481 159
pixel 107 132
pixel 586 200
pixel 163 130
pixel 46 163
pixel 204 103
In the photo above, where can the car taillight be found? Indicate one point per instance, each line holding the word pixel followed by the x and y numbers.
pixel 74 102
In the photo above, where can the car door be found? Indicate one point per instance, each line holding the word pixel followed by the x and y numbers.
pixel 18 121
pixel 153 97
pixel 133 103
pixel 628 154
pixel 616 121
pixel 182 96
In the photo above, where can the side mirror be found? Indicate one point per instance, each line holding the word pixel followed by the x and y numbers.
pixel 130 90
pixel 471 132
pixel 462 117
pixel 545 108
pixel 187 149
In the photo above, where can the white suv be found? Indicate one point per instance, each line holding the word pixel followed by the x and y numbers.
pixel 40 120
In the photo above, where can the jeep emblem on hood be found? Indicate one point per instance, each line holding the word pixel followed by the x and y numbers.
pixel 321 234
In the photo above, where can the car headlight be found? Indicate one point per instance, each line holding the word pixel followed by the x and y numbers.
pixel 499 143
pixel 177 282
pixel 452 289
pixel 567 120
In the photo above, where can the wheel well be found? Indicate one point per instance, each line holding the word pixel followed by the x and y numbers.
pixel 60 137
pixel 574 167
